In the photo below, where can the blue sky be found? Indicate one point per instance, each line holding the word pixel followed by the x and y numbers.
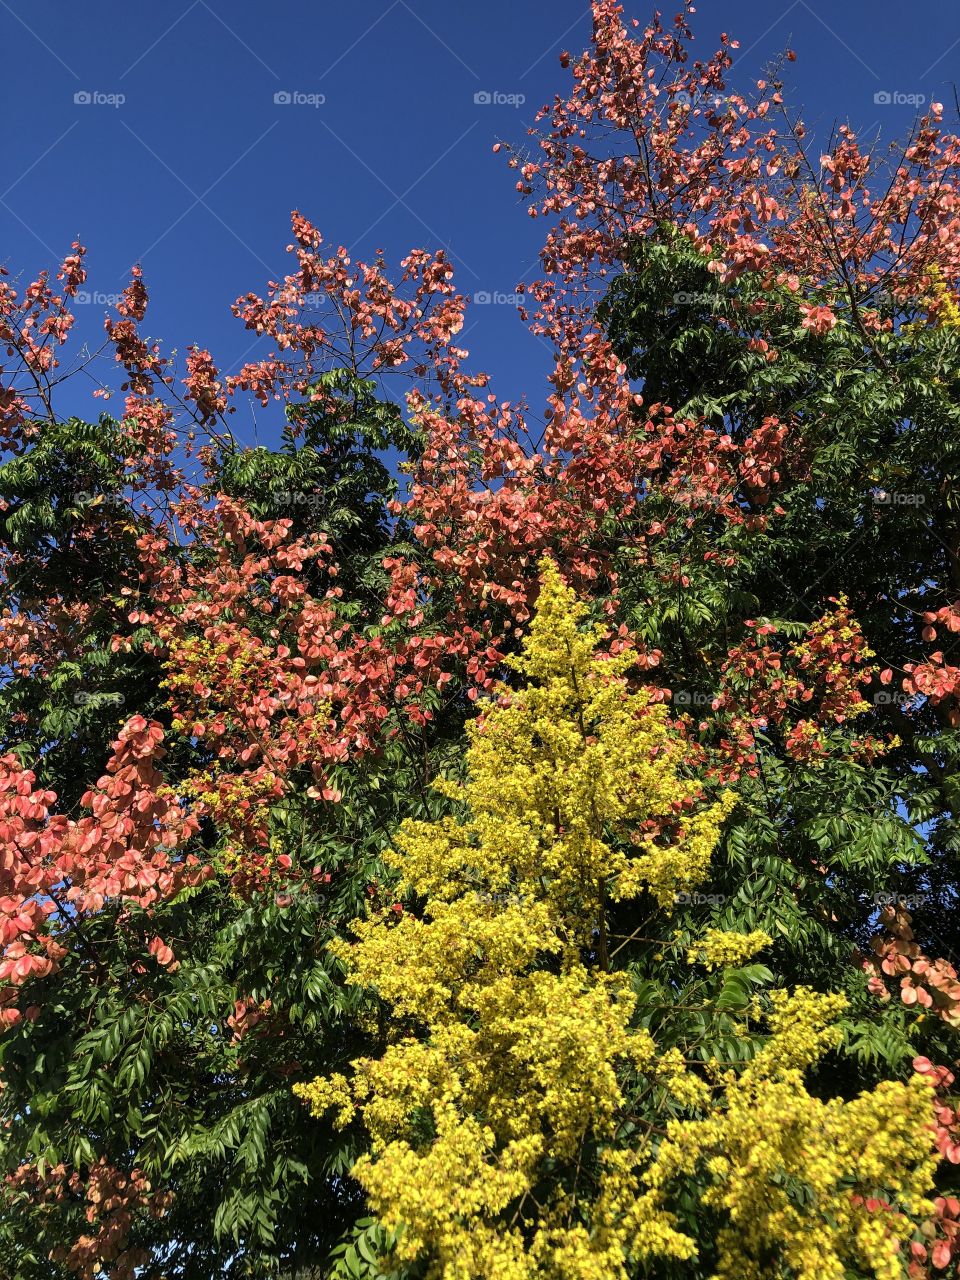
pixel 196 172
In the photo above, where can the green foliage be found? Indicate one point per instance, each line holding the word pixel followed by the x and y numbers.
pixel 68 532
pixel 140 1065
pixel 813 850
pixel 332 471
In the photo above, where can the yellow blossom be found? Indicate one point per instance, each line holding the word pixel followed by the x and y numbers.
pixel 721 947
pixel 503 1142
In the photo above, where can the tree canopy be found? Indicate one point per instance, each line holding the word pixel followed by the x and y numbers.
pixel 437 847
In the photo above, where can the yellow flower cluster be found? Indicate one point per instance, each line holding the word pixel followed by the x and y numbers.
pixel 517 1039
pixel 795 1176
pixel 947 306
pixel 721 947
pixel 571 757
pixel 504 1140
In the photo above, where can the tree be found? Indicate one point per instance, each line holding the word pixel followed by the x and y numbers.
pixel 523 1120
pixel 163 927
pixel 746 471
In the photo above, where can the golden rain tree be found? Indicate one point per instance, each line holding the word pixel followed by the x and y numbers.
pixel 520 1120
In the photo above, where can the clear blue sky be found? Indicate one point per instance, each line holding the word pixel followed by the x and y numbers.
pixel 196 172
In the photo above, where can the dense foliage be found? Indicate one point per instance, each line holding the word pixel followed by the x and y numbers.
pixel 570 819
